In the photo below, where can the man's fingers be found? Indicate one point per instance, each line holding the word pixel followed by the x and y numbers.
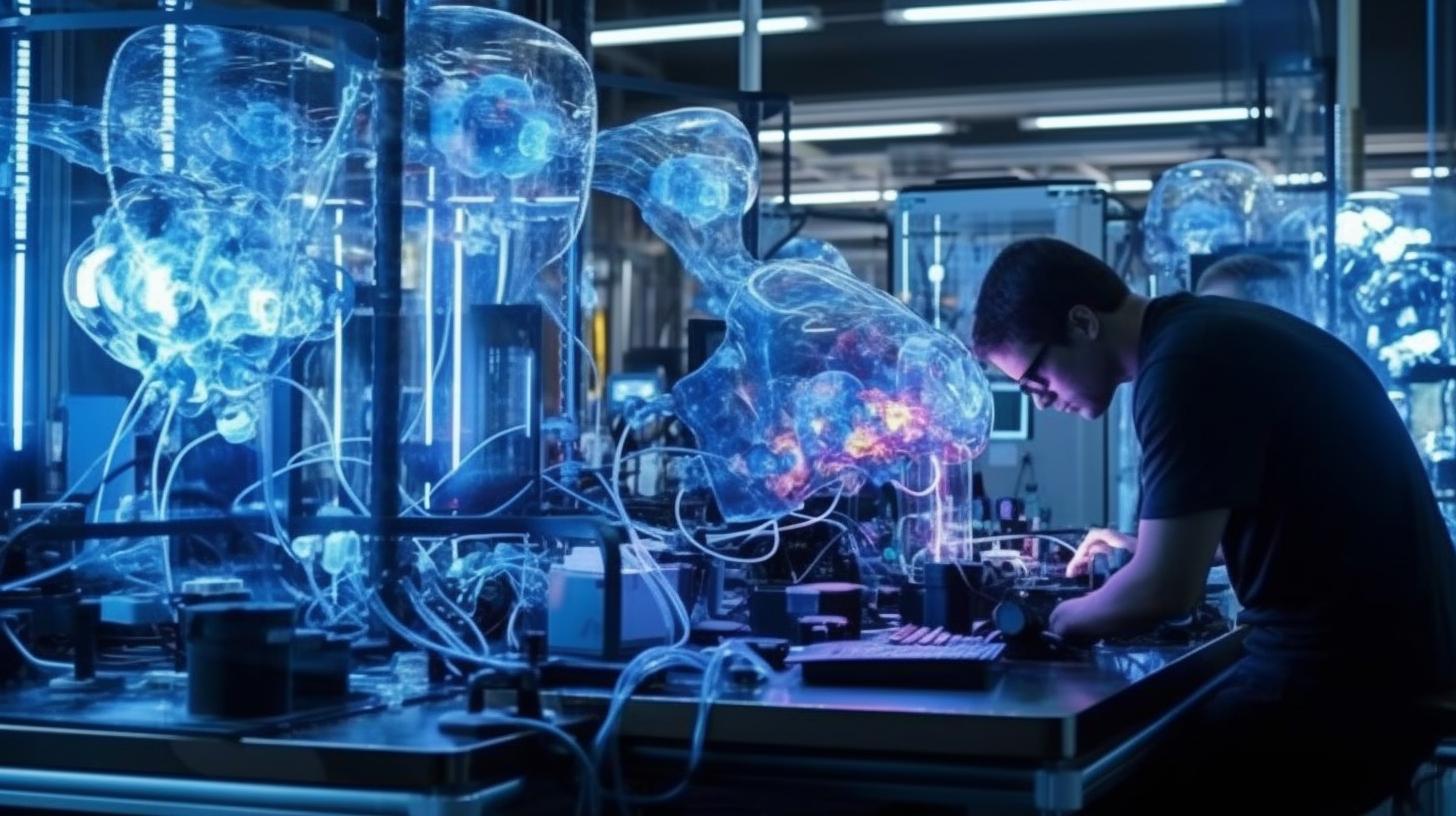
pixel 1085 553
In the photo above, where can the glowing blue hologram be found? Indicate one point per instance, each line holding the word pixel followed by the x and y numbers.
pixel 199 289
pixel 693 173
pixel 70 131
pixel 1203 206
pixel 813 249
pixel 241 108
pixel 501 115
pixel 822 378
pixel 196 275
pixel 1371 230
pixel 1406 309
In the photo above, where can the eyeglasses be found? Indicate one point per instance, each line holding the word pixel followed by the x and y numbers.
pixel 1031 383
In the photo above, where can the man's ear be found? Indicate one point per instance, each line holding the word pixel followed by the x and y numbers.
pixel 1083 324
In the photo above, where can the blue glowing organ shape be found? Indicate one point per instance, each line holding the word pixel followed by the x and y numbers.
pixel 1371 231
pixel 1200 207
pixel 820 378
pixel 813 249
pixel 501 117
pixel 244 109
pixel 200 290
pixel 1407 310
pixel 693 173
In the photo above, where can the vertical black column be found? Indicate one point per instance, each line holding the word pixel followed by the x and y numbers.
pixel 386 301
pixel 578 18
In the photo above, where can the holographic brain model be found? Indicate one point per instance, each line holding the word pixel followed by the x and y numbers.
pixel 821 377
pixel 501 114
pixel 1203 206
pixel 196 275
pixel 1406 309
pixel 813 249
pixel 693 173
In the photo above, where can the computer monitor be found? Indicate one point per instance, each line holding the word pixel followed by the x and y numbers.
pixel 626 386
pixel 1012 420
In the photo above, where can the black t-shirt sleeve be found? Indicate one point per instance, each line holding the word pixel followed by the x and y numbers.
pixel 1204 437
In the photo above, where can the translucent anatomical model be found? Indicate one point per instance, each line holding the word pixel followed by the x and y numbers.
pixel 820 377
pixel 1203 206
pixel 1406 307
pixel 196 275
pixel 693 173
pixel 501 112
pixel 199 288
pixel 1370 231
pixel 813 249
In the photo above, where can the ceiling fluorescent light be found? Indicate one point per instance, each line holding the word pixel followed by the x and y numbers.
pixel 841 197
pixel 1132 185
pixel 839 133
pixel 1427 172
pixel 702 30
pixel 974 12
pixel 1138 118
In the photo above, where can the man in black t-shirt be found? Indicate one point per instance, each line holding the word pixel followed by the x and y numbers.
pixel 1268 436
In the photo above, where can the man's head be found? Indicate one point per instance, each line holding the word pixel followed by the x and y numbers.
pixel 1045 317
pixel 1253 278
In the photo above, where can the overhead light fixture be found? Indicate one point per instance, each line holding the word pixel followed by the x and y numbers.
pixel 1127 186
pixel 1298 179
pixel 841 133
pixel 700 30
pixel 1186 116
pixel 1430 172
pixel 841 197
pixel 982 12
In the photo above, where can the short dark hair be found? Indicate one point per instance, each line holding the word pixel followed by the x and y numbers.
pixel 1032 285
pixel 1245 268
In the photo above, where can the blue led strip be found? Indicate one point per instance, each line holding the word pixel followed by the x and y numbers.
pixel 21 93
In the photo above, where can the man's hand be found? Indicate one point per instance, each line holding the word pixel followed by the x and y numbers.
pixel 1098 542
pixel 1164 581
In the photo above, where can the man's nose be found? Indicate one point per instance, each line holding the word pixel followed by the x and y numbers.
pixel 1044 401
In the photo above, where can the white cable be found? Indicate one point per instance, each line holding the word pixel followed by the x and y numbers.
pixel 473 451
pixel 329 435
pixel 161 444
pixel 1021 536
pixel 127 421
pixel 176 464
pixel 43 665
pixel 934 482
pixel 732 559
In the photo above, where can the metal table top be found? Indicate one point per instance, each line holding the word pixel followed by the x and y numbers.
pixel 1031 711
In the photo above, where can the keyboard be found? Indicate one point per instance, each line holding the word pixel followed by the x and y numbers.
pixel 912 657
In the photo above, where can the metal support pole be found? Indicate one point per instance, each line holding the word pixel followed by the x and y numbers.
pixel 577 21
pixel 1332 201
pixel 750 79
pixel 386 301
pixel 1349 118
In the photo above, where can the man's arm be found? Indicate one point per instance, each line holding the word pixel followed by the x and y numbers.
pixel 1164 580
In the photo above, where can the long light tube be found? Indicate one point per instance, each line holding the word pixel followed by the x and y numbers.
pixel 840 133
pixel 983 12
pixel 429 310
pixel 457 342
pixel 702 30
pixel 20 231
pixel 338 335
pixel 841 197
pixel 1186 116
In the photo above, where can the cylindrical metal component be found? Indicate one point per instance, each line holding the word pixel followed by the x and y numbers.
pixel 239 659
pixel 83 638
pixel 1349 118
